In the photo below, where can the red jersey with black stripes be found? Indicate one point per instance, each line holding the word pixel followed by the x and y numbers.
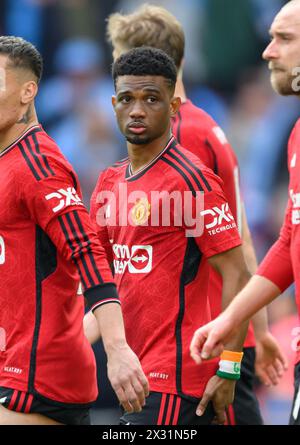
pixel 47 246
pixel 200 134
pixel 159 226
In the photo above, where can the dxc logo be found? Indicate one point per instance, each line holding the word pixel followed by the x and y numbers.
pixel 218 215
pixel 66 198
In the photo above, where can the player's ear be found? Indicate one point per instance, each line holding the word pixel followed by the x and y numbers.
pixel 175 105
pixel 114 101
pixel 28 92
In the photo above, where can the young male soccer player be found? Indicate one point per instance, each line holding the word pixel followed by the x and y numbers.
pixel 162 274
pixel 47 244
pixel 199 133
pixel 280 267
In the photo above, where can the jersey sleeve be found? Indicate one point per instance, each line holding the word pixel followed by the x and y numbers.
pixel 217 230
pixel 54 204
pixel 99 221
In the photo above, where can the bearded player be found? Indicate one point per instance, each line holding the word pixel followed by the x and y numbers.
pixel 280 268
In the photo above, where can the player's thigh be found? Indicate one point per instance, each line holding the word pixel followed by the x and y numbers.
pixel 168 409
pixel 245 406
pixel 8 417
pixel 295 413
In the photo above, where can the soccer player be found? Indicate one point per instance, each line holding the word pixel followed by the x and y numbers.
pixel 199 133
pixel 47 246
pixel 162 274
pixel 280 267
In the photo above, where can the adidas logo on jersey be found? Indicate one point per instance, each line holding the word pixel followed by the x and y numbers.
pixel 66 198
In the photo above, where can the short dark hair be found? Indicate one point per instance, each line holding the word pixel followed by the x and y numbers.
pixel 145 61
pixel 22 54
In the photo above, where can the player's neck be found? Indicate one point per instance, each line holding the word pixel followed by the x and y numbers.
pixel 9 135
pixel 141 155
pixel 180 90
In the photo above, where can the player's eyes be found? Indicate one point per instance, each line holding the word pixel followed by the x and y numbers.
pixel 125 99
pixel 151 99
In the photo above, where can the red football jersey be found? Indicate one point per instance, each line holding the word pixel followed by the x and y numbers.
pixel 161 273
pixel 282 263
pixel 195 130
pixel 47 246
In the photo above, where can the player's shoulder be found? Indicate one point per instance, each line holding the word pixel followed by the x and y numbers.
pixel 294 143
pixel 197 114
pixel 42 157
pixel 296 130
pixel 202 121
pixel 112 172
pixel 189 170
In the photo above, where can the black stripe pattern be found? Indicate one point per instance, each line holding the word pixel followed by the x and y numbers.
pixel 64 223
pixel 88 244
pixel 181 172
pixel 197 169
pixel 36 161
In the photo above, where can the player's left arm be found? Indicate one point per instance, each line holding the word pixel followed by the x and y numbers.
pixel 270 361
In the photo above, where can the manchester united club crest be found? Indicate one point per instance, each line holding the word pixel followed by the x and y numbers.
pixel 140 212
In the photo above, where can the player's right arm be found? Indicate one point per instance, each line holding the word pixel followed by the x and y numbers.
pixel 270 361
pixel 273 277
pixel 55 206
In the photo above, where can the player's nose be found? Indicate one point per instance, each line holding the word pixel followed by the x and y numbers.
pixel 137 110
pixel 271 51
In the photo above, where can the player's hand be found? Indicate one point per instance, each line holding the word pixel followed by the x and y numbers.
pixel 221 393
pixel 208 341
pixel 270 363
pixel 127 378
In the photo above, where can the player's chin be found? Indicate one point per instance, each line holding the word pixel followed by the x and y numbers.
pixel 138 139
pixel 281 84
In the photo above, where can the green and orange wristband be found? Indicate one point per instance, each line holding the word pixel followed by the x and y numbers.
pixel 230 365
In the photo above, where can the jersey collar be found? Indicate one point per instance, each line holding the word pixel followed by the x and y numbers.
pixel 129 176
pixel 26 133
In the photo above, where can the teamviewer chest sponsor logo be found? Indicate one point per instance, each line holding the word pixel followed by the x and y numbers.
pixel 295 197
pixel 64 198
pixel 218 219
pixel 137 259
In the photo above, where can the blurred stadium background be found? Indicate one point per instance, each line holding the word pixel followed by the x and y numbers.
pixel 224 74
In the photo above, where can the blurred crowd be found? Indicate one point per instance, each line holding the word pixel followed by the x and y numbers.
pixel 224 75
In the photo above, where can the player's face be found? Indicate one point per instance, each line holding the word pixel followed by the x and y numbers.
pixel 143 107
pixel 10 93
pixel 283 52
